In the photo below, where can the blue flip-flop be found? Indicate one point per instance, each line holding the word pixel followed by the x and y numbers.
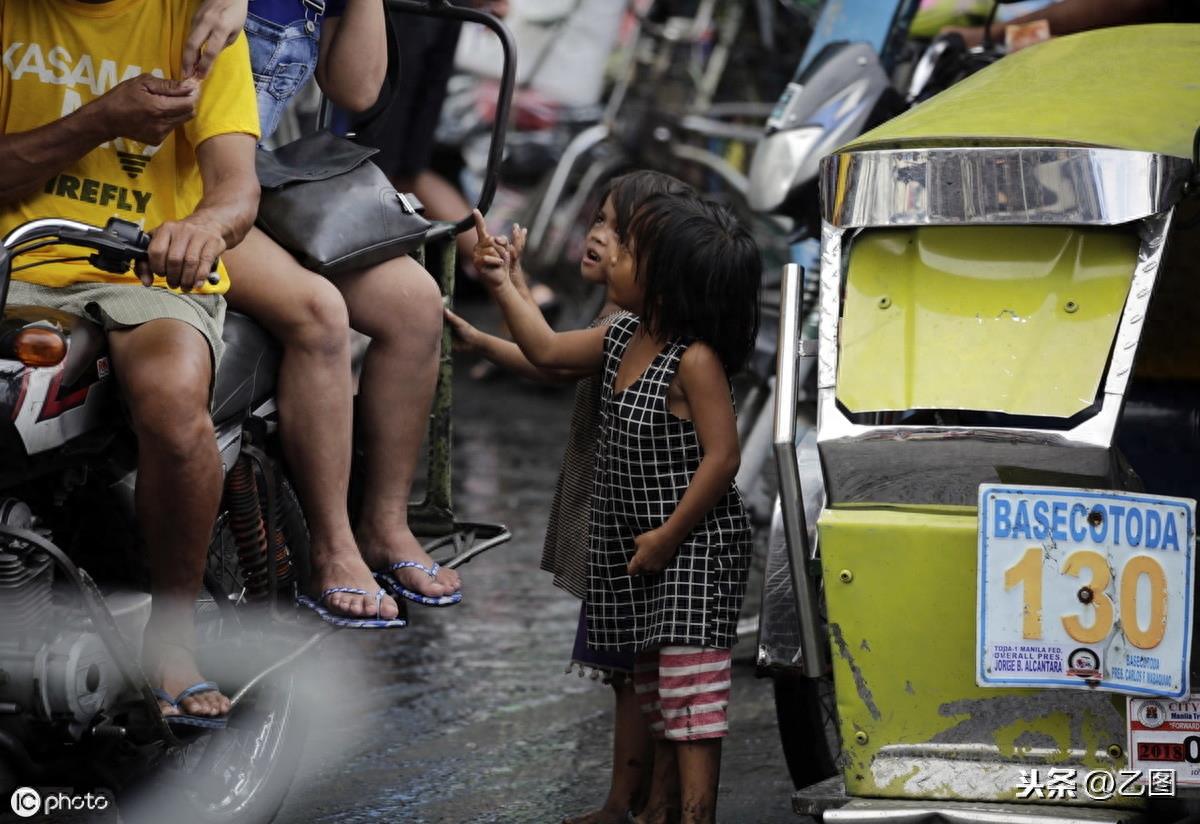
pixel 346 621
pixel 401 591
pixel 183 719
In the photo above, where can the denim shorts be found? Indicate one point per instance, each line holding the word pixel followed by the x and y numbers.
pixel 283 58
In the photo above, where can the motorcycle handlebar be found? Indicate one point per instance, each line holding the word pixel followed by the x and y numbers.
pixel 117 246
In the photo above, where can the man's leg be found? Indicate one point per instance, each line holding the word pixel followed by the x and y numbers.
pixel 164 368
pixel 307 315
pixel 399 306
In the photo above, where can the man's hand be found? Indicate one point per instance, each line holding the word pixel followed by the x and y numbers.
pixel 653 552
pixel 215 26
pixel 148 108
pixel 183 251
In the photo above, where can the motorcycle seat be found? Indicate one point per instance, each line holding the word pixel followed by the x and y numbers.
pixel 246 373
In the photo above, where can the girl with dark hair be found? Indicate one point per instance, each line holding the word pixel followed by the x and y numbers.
pixel 566 548
pixel 669 541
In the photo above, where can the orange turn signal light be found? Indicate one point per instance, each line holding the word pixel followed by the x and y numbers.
pixel 37 346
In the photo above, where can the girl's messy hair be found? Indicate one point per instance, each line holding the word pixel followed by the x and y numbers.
pixel 630 191
pixel 701 270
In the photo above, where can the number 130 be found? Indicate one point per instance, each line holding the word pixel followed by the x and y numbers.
pixel 1029 572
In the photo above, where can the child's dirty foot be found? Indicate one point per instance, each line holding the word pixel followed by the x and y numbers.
pixel 601 816
pixel 662 815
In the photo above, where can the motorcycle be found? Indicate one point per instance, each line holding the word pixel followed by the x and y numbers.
pixel 1006 273
pixel 76 710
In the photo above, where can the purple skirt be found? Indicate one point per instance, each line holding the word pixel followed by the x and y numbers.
pixel 604 664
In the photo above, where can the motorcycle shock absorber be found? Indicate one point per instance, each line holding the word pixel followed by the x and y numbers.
pixel 249 529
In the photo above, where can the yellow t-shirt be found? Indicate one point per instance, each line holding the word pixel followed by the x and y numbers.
pixel 61 54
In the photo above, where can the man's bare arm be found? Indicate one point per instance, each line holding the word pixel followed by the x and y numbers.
pixel 230 184
pixel 31 158
pixel 143 108
pixel 184 251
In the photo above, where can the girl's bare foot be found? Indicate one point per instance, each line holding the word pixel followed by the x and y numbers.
pixel 601 816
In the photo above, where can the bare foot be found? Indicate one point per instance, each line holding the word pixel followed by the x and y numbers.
pixel 172 668
pixel 601 816
pixel 380 551
pixel 347 569
pixel 656 815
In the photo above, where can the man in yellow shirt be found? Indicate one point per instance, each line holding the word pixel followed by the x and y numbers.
pixel 97 123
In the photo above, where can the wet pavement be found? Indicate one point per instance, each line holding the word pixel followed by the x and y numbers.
pixel 467 715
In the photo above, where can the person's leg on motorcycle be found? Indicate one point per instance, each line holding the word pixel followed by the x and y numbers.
pixel 164 368
pixel 306 314
pixel 399 306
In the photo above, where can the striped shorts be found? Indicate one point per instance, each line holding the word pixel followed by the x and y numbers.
pixel 684 691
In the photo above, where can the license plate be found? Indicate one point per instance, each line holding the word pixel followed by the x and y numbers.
pixel 1085 589
pixel 1166 735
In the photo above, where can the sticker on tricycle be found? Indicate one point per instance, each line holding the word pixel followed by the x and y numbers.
pixel 1085 589
pixel 1165 734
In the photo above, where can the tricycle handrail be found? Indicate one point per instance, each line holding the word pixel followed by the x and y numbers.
pixel 508 80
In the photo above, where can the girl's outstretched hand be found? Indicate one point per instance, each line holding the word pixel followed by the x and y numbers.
pixel 215 25
pixel 466 336
pixel 491 258
pixel 516 246
pixel 653 552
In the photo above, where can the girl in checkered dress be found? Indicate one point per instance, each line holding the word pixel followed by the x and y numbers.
pixel 670 542
pixel 566 548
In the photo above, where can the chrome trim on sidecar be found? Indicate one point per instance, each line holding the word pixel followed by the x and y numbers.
pixel 998 185
pixel 946 464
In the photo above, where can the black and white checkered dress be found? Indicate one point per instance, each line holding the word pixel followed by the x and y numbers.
pixel 645 461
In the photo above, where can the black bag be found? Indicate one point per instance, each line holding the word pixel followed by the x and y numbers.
pixel 332 208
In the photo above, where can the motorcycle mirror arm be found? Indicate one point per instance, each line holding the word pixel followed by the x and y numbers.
pixel 508 74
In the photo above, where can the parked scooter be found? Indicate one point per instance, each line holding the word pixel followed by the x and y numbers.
pixel 1007 284
pixel 76 710
pixel 866 62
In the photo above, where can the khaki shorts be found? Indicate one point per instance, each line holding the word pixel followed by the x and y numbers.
pixel 119 306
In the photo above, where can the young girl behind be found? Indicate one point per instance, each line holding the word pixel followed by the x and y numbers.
pixel 566 547
pixel 669 540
